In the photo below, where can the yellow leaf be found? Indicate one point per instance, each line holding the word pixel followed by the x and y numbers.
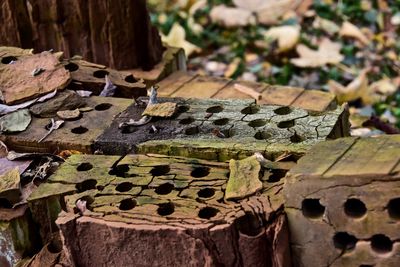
pixel 358 88
pixel 232 67
pixel 326 25
pixel 287 36
pixel 327 53
pixel 350 30
pixel 177 37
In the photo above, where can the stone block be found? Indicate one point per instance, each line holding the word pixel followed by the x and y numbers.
pixel 223 129
pixel 155 210
pixel 343 203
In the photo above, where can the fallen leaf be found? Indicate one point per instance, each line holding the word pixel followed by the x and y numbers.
pixel 358 88
pixel 287 36
pixel 69 114
pixel 251 5
pixel 385 87
pixel 17 121
pixel 270 12
pixel 350 30
pixel 326 25
pixel 231 17
pixel 164 110
pixel 232 67
pixel 327 53
pixel 177 37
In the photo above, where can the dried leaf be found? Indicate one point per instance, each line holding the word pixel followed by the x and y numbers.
pixel 350 30
pixel 231 17
pixel 287 36
pixel 270 12
pixel 17 121
pixel 232 67
pixel 358 88
pixel 385 87
pixel 177 37
pixel 69 114
pixel 164 110
pixel 327 53
pixel 326 25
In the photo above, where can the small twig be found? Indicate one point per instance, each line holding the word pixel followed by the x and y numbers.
pixel 248 91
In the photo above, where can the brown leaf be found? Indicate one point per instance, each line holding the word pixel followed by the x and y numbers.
pixel 350 30
pixel 327 53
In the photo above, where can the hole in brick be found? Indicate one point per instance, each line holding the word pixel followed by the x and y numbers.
pixel 192 130
pixel 127 204
pixel 160 170
pixel 7 60
pixel 124 187
pixel 119 170
pixel 103 106
pixel 262 135
pixel 286 124
pixel 215 109
pixel 354 208
pixel 71 67
pixel 296 138
pixel 85 166
pixel 199 172
pixel 394 208
pixel 312 208
pixel 208 212
pixel 5 203
pixel 381 244
pixel 276 175
pixel 344 241
pixel 86 185
pixel 55 246
pixel 130 79
pixel 100 187
pixel 249 224
pixel 128 129
pixel 224 133
pixel 206 192
pixel 164 189
pixel 187 120
pixel 89 201
pixel 165 209
pixel 79 130
pixel 250 110
pixel 283 111
pixel 257 123
pixel 183 108
pixel 366 265
pixel 222 121
pixel 100 73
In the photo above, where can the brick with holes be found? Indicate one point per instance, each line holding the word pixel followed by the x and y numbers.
pixel 343 203
pixel 223 129
pixel 155 210
pixel 76 134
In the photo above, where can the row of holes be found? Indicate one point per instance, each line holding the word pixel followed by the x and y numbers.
pixel 98 73
pixel 247 111
pixel 254 123
pixel 81 129
pixel 353 208
pixel 160 170
pixel 168 208
pixel 380 243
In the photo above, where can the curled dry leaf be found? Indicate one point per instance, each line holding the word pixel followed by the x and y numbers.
pixel 350 30
pixel 287 36
pixel 327 53
pixel 358 88
pixel 231 17
pixel 177 37
pixel 385 87
pixel 248 91
pixel 16 121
